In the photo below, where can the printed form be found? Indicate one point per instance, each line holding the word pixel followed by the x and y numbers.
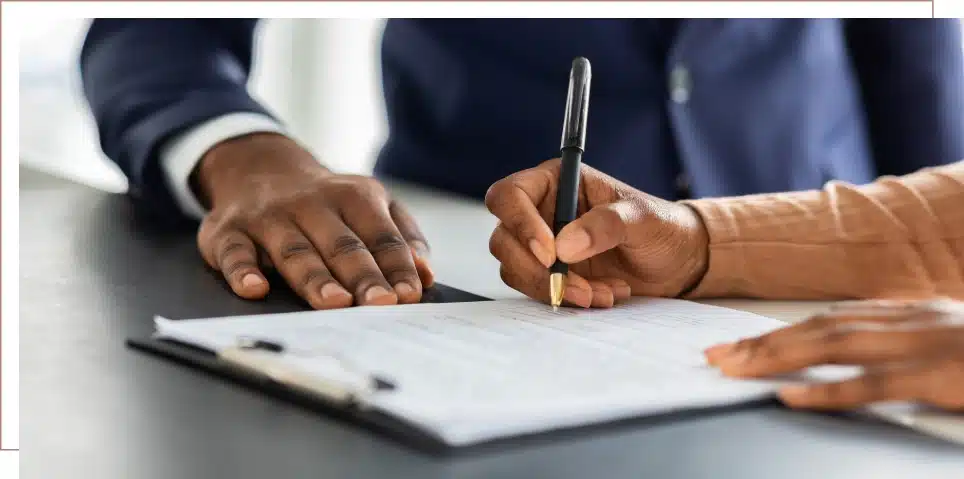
pixel 471 372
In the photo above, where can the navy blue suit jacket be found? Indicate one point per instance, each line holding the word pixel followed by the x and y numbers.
pixel 763 105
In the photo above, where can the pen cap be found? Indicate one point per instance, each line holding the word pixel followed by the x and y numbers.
pixel 577 105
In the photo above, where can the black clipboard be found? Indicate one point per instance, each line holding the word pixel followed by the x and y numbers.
pixel 393 427
pixel 386 424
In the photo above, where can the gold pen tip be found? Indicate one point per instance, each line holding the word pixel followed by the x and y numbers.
pixel 557 285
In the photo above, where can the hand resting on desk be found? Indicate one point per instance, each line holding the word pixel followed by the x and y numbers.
pixel 337 239
pixel 912 352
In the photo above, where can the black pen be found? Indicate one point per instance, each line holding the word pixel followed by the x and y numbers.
pixel 573 146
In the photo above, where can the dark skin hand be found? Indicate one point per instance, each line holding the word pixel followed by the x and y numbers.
pixel 337 240
pixel 911 351
pixel 624 242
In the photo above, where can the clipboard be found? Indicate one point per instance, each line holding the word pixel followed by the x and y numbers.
pixel 250 365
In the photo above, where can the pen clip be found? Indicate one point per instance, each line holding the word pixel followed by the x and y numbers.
pixel 577 105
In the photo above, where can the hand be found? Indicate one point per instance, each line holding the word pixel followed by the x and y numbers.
pixel 910 351
pixel 336 239
pixel 624 242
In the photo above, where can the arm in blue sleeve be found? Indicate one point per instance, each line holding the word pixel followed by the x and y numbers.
pixel 147 80
pixel 911 74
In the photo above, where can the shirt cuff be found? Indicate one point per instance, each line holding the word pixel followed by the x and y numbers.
pixel 180 155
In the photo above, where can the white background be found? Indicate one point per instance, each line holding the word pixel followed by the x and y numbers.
pixel 338 112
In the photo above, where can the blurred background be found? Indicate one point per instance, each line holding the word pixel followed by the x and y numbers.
pixel 292 63
pixel 293 60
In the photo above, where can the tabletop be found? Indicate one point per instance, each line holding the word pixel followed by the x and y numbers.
pixel 93 273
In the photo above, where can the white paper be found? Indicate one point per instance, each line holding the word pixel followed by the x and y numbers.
pixel 470 372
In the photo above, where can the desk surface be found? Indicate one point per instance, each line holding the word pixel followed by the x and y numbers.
pixel 91 274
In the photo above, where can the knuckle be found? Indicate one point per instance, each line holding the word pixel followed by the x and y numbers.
pixel 507 276
pixel 766 351
pixel 494 192
pixel 233 268
pixel 376 187
pixel 388 242
pixel 363 189
pixel 346 245
pixel 291 250
pixel 835 341
pixel 494 244
pixel 395 274
pixel 315 275
pixel 749 345
pixel 232 246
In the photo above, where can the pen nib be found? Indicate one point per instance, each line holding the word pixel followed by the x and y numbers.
pixel 557 284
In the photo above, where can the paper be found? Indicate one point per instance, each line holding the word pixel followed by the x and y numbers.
pixel 470 372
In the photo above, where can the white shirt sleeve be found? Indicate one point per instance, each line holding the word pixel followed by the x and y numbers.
pixel 181 154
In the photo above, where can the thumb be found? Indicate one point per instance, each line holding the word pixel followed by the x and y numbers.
pixel 600 229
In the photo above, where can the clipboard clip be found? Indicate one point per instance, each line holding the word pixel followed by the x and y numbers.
pixel 345 385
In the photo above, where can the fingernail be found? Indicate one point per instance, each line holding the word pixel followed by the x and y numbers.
pixel 377 294
pixel 576 241
pixel 542 254
pixel 331 290
pixel 403 289
pixel 251 280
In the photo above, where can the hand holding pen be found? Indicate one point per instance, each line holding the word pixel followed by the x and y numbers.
pixel 626 243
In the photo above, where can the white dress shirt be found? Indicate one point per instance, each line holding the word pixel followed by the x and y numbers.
pixel 182 153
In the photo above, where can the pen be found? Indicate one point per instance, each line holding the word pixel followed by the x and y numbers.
pixel 573 146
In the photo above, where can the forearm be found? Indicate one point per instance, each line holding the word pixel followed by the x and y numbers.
pixel 897 237
pixel 149 81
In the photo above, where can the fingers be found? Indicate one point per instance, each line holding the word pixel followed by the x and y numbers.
pixel 816 325
pixel 621 289
pixel 602 294
pixel 600 229
pixel 416 240
pixel 513 200
pixel 935 383
pixel 295 257
pixel 233 254
pixel 861 343
pixel 349 258
pixel 521 271
pixel 581 293
pixel 392 253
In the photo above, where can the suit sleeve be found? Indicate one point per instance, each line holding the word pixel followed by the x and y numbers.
pixel 149 80
pixel 911 74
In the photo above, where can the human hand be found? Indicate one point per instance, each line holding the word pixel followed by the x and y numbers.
pixel 910 351
pixel 624 242
pixel 336 239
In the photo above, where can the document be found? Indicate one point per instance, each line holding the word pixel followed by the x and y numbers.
pixel 472 372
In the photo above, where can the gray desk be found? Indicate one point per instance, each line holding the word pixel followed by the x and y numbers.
pixel 91 275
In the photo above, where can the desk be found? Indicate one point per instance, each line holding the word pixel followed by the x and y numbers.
pixel 91 275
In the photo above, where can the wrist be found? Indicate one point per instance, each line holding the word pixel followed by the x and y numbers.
pixel 231 164
pixel 701 258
